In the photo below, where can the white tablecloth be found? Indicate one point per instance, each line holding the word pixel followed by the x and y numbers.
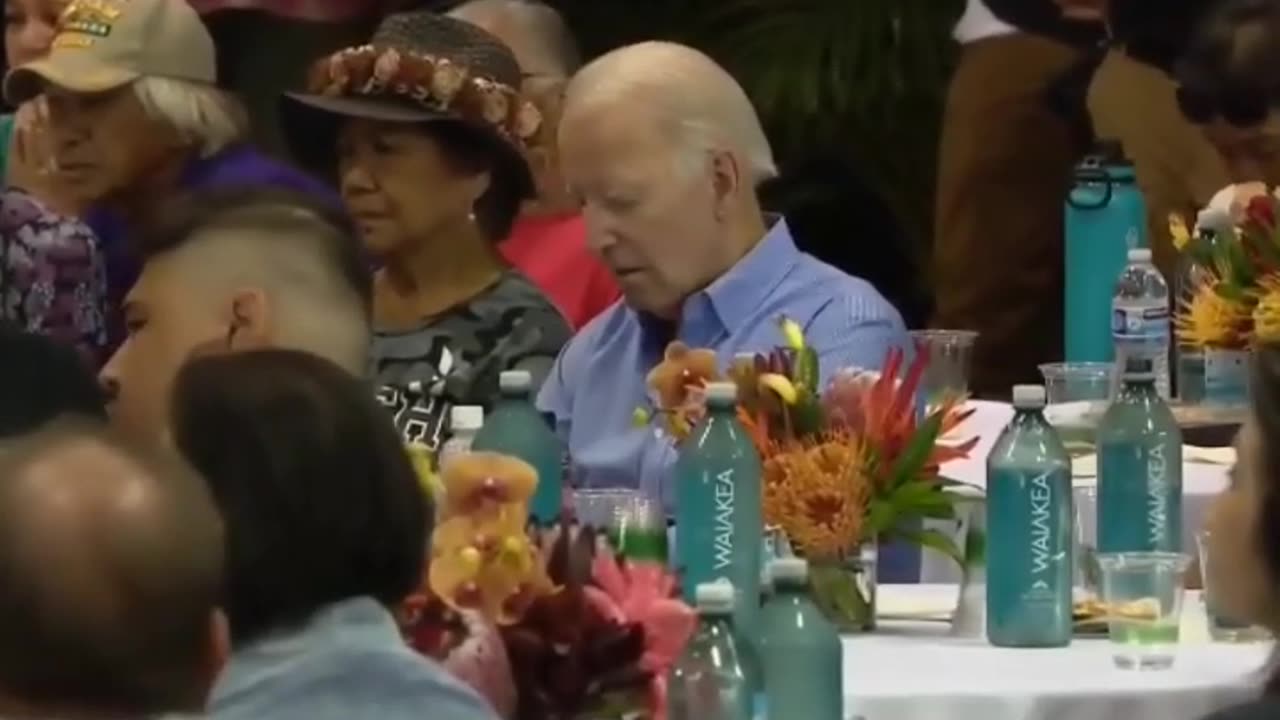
pixel 1200 484
pixel 915 671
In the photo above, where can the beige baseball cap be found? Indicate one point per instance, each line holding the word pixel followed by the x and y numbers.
pixel 104 44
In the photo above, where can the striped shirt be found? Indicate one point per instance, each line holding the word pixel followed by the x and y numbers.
pixel 599 379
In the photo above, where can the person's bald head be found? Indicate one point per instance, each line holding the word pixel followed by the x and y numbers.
pixel 236 269
pixel 110 568
pixel 535 32
pixel 665 151
pixel 548 57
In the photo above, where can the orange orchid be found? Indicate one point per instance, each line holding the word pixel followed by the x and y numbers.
pixel 482 558
pixel 677 384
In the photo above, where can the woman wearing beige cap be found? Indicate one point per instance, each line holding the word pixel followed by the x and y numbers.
pixel 425 128
pixel 135 115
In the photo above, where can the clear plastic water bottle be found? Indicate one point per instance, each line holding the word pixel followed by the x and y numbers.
pixel 516 428
pixel 712 679
pixel 1140 316
pixel 1139 469
pixel 718 507
pixel 800 650
pixel 1029 530
pixel 464 422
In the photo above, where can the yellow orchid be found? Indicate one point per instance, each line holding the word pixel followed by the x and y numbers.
pixel 423 461
pixel 1178 231
pixel 792 333
pixel 781 386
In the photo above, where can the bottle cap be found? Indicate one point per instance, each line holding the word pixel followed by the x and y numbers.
pixel 1139 255
pixel 789 571
pixel 1030 397
pixel 465 417
pixel 1139 368
pixel 722 392
pixel 714 597
pixel 515 380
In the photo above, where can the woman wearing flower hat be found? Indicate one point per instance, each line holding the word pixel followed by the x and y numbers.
pixel 424 127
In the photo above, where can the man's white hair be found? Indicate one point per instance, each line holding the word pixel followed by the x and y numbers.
pixel 207 117
pixel 701 105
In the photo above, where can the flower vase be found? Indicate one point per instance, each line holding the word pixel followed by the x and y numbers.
pixel 845 589
pixel 1226 374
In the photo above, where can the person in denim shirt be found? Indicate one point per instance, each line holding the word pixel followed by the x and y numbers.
pixel 326 528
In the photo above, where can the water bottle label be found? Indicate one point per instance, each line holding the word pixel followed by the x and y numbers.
pixel 1150 324
pixel 1140 496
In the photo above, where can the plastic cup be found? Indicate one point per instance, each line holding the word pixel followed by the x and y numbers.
pixel 1222 628
pixel 1142 592
pixel 950 355
pixel 1078 381
pixel 640 531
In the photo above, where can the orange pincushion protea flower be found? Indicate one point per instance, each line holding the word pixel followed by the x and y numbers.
pixel 818 495
pixel 1207 319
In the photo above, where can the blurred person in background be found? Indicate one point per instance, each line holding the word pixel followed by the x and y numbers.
pixel 52 270
pixel 548 242
pixel 110 573
pixel 1244 526
pixel 40 380
pixel 326 527
pixel 1004 168
pixel 233 269
pixel 134 116
pixel 431 167
pixel 1229 86
pixel 667 152
pixel 1133 98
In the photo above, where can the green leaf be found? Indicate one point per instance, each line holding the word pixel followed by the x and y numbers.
pixel 911 462
pixel 929 539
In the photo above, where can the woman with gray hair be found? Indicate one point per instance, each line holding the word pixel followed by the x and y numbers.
pixel 134 116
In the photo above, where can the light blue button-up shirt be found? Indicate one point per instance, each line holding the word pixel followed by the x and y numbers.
pixel 599 379
pixel 347 662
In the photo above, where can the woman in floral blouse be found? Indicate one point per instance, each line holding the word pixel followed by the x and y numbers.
pixel 52 274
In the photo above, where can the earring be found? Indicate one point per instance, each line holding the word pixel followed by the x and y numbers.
pixel 471 216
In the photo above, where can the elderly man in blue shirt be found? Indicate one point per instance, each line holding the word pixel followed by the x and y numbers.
pixel 665 151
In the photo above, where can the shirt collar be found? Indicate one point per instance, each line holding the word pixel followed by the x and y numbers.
pixel 736 294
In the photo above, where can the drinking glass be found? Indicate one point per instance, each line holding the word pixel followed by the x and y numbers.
pixel 601 508
pixel 1142 592
pixel 1078 381
pixel 1221 628
pixel 950 355
pixel 640 530
pixel 1086 573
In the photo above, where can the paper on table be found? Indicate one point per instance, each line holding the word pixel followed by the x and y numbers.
pixel 1087 465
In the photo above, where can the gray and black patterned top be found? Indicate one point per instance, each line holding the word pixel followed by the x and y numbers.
pixel 455 358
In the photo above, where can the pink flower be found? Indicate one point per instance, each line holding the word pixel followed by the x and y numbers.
pixel 643 593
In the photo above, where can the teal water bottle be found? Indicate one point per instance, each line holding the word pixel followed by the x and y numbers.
pixel 800 650
pixel 1029 530
pixel 1105 218
pixel 516 428
pixel 712 679
pixel 1139 468
pixel 719 523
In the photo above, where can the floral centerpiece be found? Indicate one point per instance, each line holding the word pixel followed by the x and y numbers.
pixel 1231 297
pixel 1229 294
pixel 547 624
pixel 843 466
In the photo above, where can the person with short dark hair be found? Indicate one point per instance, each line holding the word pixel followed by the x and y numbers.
pixel 1229 86
pixel 232 269
pixel 41 379
pixel 425 126
pixel 326 532
pixel 110 570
